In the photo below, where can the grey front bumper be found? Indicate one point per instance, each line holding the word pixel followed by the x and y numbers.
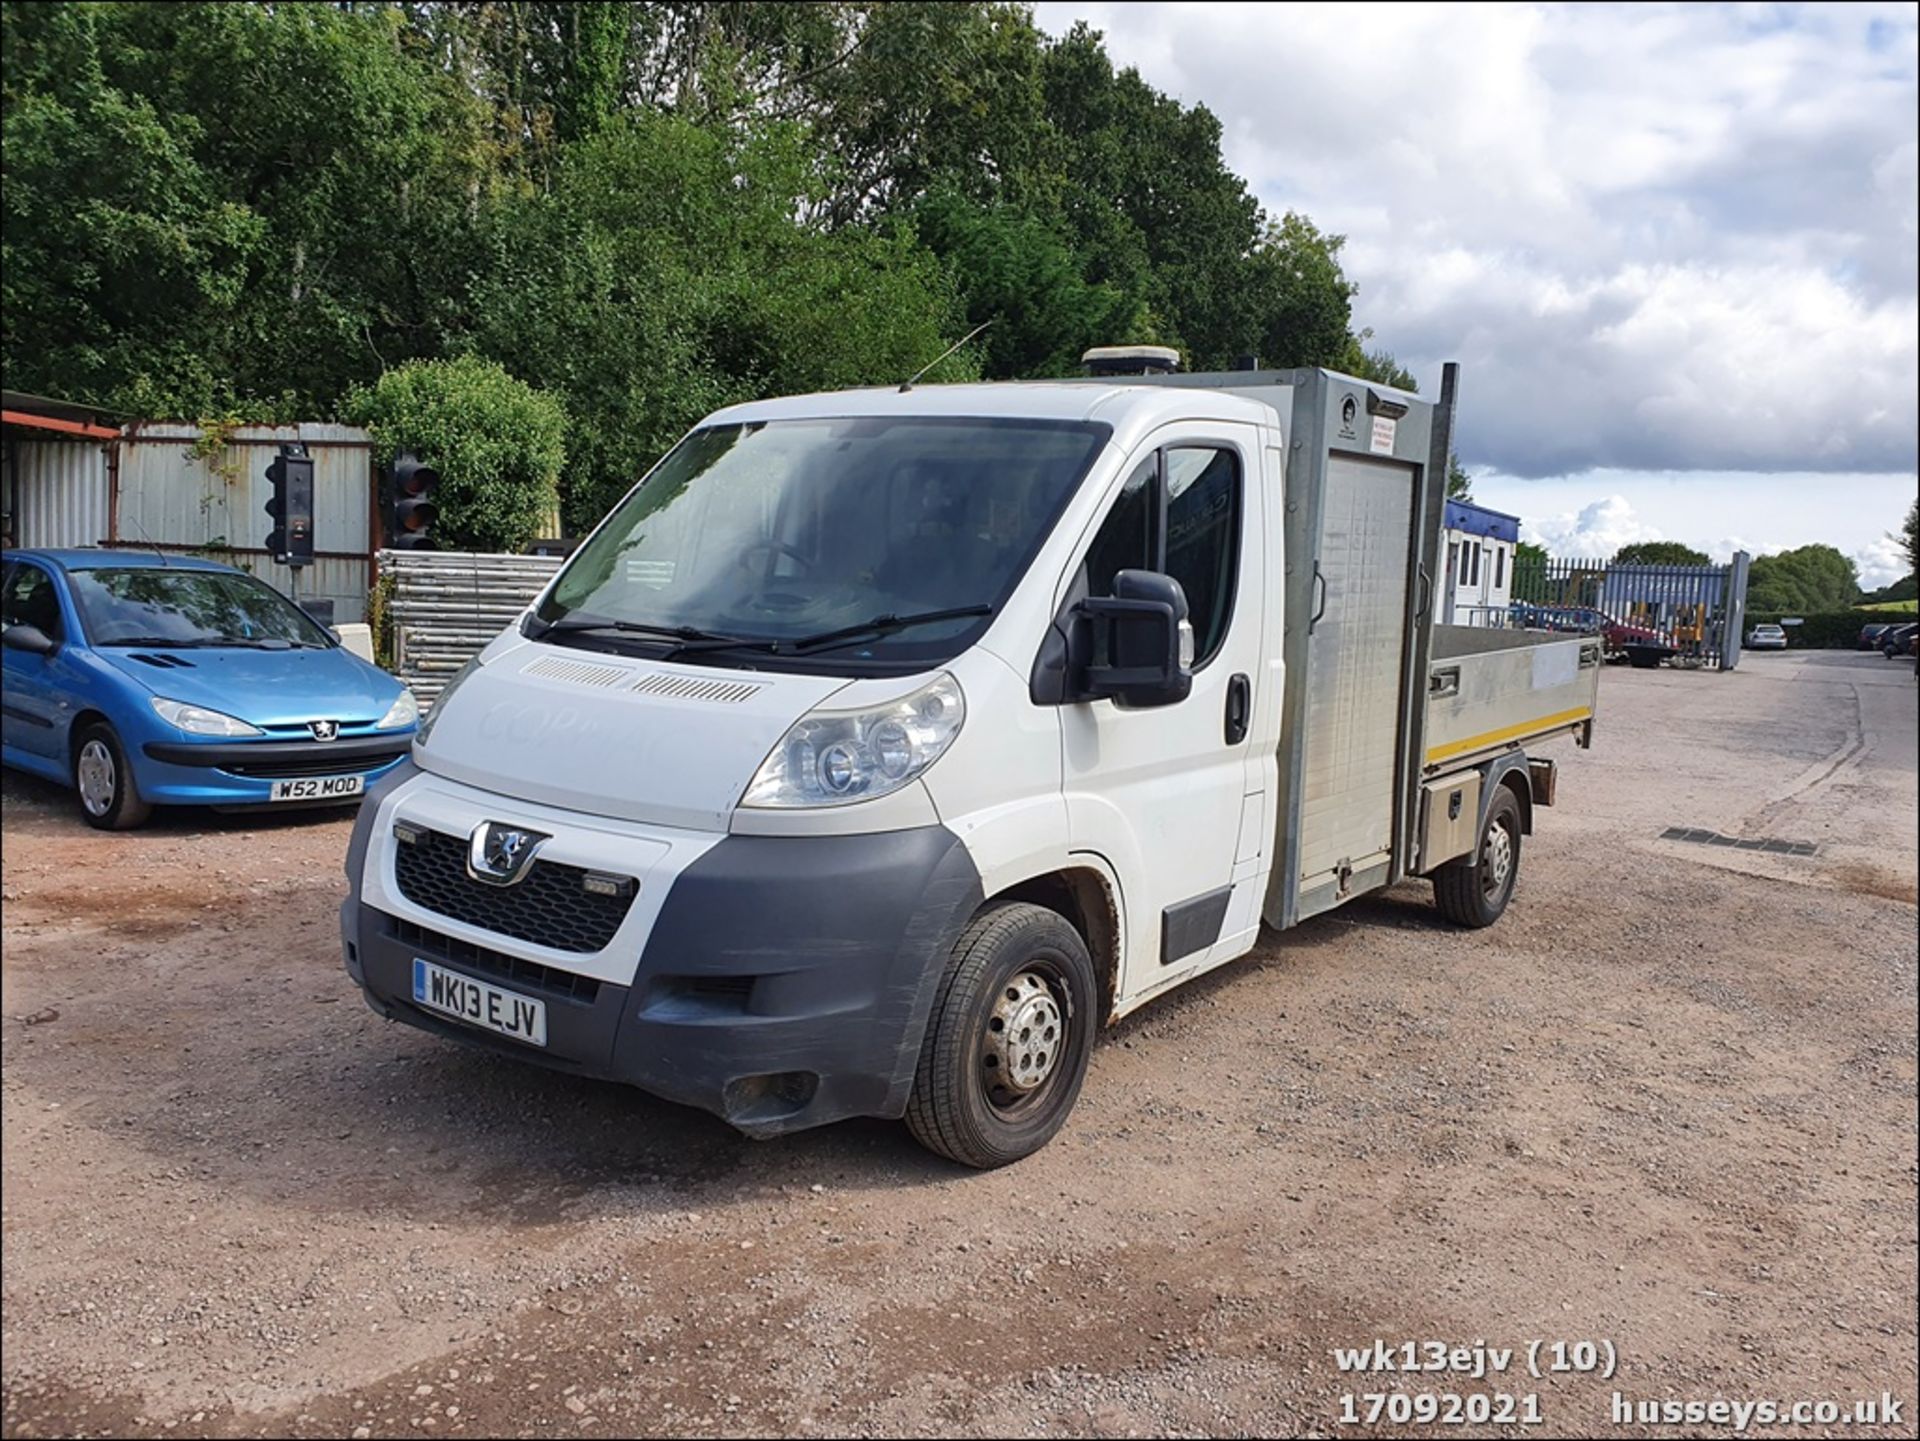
pixel 785 984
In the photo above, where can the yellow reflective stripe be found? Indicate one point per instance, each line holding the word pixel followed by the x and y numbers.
pixel 1493 738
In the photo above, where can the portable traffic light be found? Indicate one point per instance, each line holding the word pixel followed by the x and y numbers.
pixel 410 508
pixel 291 474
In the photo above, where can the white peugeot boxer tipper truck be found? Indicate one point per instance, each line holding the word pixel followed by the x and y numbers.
pixel 881 746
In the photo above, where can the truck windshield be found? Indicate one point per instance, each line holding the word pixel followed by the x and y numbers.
pixel 762 544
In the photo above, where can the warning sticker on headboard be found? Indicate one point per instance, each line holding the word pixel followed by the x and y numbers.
pixel 1383 429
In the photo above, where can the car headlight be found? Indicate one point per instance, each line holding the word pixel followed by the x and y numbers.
pixel 404 711
pixel 833 758
pixel 199 721
pixel 440 701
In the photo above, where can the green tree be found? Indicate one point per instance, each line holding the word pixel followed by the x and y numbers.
pixel 1909 538
pixel 1374 364
pixel 216 207
pixel 1660 552
pixel 1810 578
pixel 663 276
pixel 1459 483
pixel 649 209
pixel 1013 271
pixel 498 444
pixel 1294 302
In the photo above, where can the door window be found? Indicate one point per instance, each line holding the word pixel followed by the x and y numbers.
pixel 1178 513
pixel 29 599
pixel 1128 539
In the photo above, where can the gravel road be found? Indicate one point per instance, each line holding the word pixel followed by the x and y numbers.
pixel 1669 1102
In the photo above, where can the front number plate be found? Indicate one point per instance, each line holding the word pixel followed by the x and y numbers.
pixel 479 1004
pixel 319 788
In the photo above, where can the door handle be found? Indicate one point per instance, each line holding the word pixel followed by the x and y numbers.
pixel 1320 608
pixel 1239 708
pixel 1426 593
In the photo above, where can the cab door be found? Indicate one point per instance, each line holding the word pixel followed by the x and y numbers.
pixel 1166 794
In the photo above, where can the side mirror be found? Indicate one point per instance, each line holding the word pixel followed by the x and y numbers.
pixel 28 638
pixel 1140 642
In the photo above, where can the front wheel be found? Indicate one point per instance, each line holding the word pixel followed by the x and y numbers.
pixel 1474 893
pixel 1008 1041
pixel 108 797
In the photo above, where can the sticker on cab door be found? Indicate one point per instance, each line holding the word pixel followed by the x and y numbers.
pixel 1383 429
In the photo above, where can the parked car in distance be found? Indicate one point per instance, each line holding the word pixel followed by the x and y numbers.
pixel 1766 637
pixel 1869 638
pixel 1639 643
pixel 143 680
pixel 1893 641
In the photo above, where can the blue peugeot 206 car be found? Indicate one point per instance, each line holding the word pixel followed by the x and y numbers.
pixel 144 680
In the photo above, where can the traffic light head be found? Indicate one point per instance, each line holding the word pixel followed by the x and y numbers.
pixel 410 508
pixel 291 506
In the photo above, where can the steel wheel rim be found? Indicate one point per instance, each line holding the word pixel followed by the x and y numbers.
pixel 94 772
pixel 1027 1032
pixel 1498 868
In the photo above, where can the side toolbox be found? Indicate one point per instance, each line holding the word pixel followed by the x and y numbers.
pixel 1449 816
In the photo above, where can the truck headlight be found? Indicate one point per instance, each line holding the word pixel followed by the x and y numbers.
pixel 404 711
pixel 199 721
pixel 833 758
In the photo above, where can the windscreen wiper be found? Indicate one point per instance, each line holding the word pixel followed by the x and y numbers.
pixel 880 625
pixel 586 625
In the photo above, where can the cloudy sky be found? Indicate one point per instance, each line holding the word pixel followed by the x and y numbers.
pixel 1673 248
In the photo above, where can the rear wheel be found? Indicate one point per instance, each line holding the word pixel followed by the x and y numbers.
pixel 108 797
pixel 1007 1044
pixel 1474 893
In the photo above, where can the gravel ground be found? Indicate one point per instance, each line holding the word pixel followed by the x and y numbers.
pixel 1669 1102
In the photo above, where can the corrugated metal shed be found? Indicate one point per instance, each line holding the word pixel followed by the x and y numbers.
pixel 59 491
pixel 176 499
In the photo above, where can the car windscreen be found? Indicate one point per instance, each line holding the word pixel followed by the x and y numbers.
pixel 168 606
pixel 757 544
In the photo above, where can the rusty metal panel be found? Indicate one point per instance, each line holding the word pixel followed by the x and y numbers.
pixel 60 489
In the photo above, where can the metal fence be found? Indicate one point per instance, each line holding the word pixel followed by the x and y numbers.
pixel 444 606
pixel 1698 610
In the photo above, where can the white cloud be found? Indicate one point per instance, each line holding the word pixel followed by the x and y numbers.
pixel 1662 238
pixel 1881 562
pixel 1596 530
pixel 1596 512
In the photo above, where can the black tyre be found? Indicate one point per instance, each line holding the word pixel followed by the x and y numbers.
pixel 1640 658
pixel 1007 1044
pixel 109 798
pixel 1474 893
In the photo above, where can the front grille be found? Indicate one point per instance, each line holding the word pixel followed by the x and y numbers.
pixel 527 975
pixel 320 763
pixel 548 905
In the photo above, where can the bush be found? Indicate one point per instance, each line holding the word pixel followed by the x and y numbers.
pixel 1822 630
pixel 497 443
